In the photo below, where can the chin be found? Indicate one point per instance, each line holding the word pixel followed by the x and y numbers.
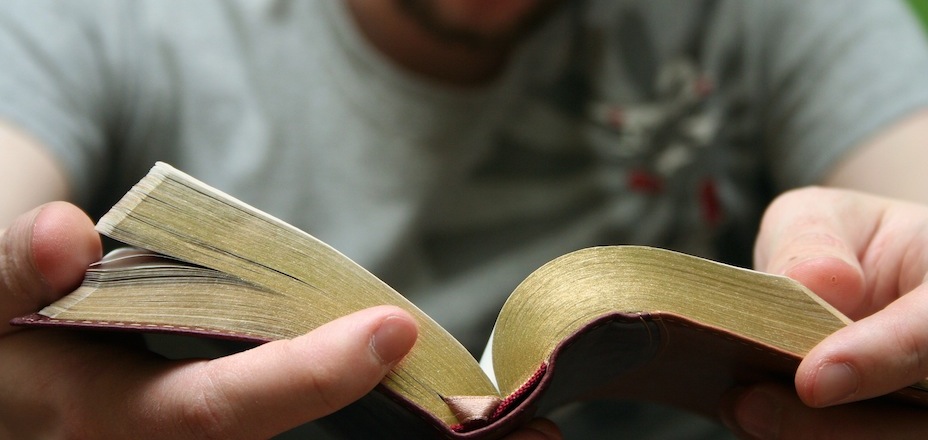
pixel 478 22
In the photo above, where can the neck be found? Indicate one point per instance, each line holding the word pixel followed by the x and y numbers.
pixel 402 39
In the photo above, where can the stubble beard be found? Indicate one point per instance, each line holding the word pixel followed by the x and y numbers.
pixel 423 12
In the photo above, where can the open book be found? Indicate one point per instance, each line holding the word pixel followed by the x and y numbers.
pixel 619 321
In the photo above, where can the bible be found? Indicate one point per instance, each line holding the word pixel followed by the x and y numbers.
pixel 613 321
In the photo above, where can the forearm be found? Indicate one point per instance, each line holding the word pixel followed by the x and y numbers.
pixel 894 163
pixel 29 175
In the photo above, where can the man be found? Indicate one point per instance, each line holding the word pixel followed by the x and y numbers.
pixel 451 147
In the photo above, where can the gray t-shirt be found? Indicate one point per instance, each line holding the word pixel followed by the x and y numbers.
pixel 627 121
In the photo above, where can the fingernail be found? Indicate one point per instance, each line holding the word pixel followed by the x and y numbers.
pixel 393 339
pixel 758 414
pixel 834 383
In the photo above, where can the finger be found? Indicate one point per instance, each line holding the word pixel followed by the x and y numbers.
pixel 537 429
pixel 66 384
pixel 876 355
pixel 773 412
pixel 816 246
pixel 43 255
pixel 283 384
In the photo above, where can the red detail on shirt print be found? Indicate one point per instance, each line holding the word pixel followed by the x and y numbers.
pixel 703 86
pixel 615 117
pixel 710 201
pixel 645 182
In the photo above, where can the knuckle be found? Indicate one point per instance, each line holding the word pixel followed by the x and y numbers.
pixel 800 195
pixel 321 385
pixel 327 387
pixel 912 350
pixel 15 270
pixel 207 413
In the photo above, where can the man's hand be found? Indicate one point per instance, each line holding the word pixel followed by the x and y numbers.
pixel 772 411
pixel 867 256
pixel 64 384
pixel 67 384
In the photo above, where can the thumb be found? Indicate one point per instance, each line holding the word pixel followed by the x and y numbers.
pixel 43 255
pixel 815 236
pixel 283 384
pixel 815 247
pixel 870 357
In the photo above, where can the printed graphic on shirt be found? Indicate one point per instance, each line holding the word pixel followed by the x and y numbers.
pixel 614 141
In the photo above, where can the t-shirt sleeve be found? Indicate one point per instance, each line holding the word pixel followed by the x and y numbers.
pixel 834 74
pixel 53 83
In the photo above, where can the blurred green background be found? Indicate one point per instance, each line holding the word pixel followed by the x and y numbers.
pixel 921 8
